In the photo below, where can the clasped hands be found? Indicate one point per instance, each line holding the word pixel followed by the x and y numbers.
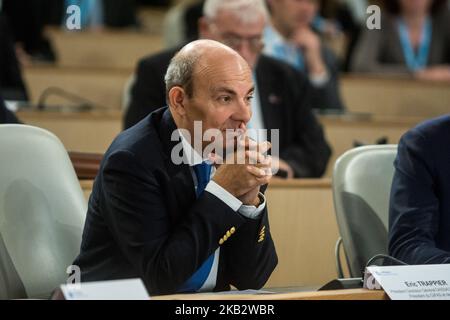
pixel 244 170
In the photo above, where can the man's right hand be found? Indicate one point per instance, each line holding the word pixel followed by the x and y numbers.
pixel 244 179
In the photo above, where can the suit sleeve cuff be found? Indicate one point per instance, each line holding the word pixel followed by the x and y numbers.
pixel 253 212
pixel 235 204
pixel 223 195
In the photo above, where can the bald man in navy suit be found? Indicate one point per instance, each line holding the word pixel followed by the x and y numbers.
pixel 183 226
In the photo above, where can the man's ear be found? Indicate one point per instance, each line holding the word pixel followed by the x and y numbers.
pixel 177 100
pixel 203 28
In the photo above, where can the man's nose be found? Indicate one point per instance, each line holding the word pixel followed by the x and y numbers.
pixel 244 112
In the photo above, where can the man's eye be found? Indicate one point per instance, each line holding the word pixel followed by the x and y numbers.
pixel 225 99
pixel 250 98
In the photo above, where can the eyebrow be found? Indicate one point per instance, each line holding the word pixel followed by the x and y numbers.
pixel 229 91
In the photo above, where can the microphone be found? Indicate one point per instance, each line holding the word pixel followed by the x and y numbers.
pixel 83 104
pixel 384 256
pixel 369 280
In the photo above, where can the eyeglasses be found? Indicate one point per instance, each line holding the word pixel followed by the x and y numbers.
pixel 255 44
pixel 234 41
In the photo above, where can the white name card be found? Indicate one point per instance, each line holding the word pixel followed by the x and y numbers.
pixel 423 282
pixel 132 289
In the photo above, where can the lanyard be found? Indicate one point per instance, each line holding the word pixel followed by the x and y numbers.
pixel 416 61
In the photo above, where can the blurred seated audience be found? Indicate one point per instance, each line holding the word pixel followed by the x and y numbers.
pixel 95 14
pixel 348 17
pixel 281 100
pixel 290 37
pixel 414 39
pixel 27 21
pixel 12 86
pixel 6 116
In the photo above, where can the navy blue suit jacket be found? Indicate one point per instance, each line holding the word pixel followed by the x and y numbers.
pixel 420 197
pixel 144 220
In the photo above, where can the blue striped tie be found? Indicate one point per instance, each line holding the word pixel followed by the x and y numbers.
pixel 196 281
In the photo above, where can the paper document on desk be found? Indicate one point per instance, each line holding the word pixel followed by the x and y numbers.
pixel 132 289
pixel 422 282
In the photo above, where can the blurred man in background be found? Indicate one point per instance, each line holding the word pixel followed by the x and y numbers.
pixel 291 38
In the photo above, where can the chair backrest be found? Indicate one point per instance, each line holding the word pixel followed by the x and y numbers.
pixel 361 188
pixel 42 212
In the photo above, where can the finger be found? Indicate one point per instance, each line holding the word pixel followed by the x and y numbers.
pixel 257 172
pixel 257 158
pixel 264 147
pixel 264 180
pixel 248 143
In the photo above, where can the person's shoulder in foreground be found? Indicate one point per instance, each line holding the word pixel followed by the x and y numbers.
pixel 420 206
pixel 153 217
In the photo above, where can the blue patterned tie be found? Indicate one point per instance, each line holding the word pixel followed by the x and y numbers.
pixel 196 281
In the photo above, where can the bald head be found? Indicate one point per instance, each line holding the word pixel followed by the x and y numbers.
pixel 211 83
pixel 198 58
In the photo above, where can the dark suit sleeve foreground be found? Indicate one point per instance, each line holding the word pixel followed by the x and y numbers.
pixel 250 255
pixel 415 204
pixel 165 254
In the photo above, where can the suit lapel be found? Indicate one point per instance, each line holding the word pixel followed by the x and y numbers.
pixel 271 97
pixel 181 184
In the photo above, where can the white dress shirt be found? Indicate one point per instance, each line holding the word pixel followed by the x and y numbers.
pixel 257 121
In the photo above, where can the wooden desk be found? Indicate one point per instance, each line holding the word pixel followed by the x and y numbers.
pixel 342 131
pixel 402 97
pixel 110 49
pixel 86 132
pixel 304 228
pixel 350 294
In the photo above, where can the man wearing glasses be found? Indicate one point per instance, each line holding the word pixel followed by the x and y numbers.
pixel 281 100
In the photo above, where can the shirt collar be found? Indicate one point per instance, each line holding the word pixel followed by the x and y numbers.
pixel 190 155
